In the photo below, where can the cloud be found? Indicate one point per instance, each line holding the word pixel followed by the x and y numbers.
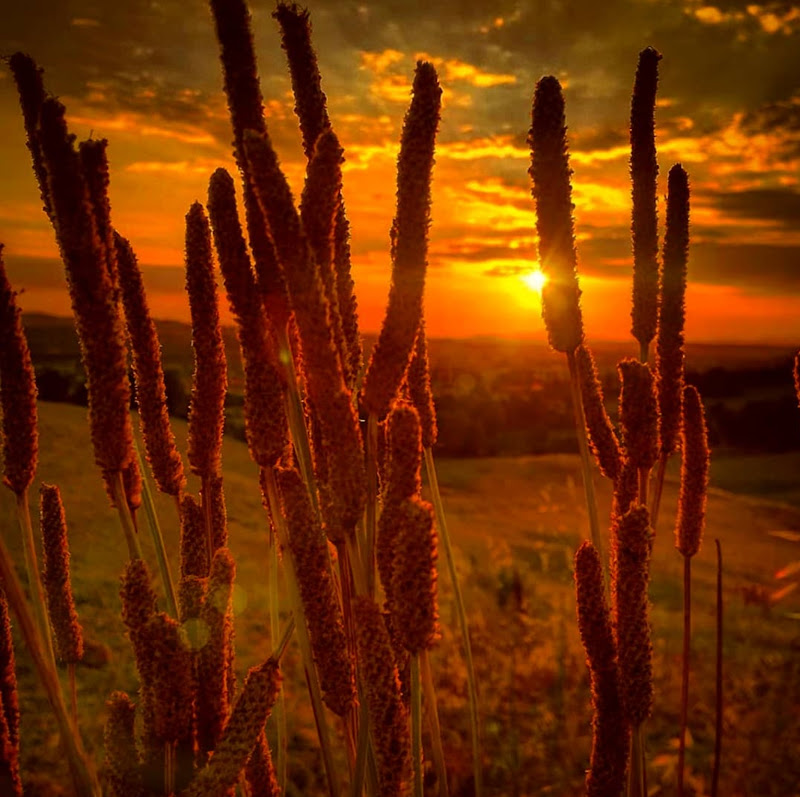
pixel 773 204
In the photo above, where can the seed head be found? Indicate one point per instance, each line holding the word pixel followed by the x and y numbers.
pixel 602 437
pixel 388 717
pixel 694 475
pixel 151 395
pixel 167 672
pixel 122 765
pixel 214 660
pixel 213 494
pixel 404 452
pixel 320 602
pixel 67 632
pixel 260 772
pixel 413 586
pixel 210 379
pixel 631 538
pixel 638 412
pixel 672 310
pixel 418 380
pixel 644 171
pixel 17 394
pixel 28 77
pixel 392 352
pixel 265 416
pixel 94 302
pixel 194 538
pixel 246 105
pixel 344 494
pixel 610 732
pixel 552 193
pixel 9 703
pixel 242 732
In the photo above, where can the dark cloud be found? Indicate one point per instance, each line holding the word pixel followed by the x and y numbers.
pixel 775 204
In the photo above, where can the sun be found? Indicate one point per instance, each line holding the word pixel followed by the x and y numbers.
pixel 535 280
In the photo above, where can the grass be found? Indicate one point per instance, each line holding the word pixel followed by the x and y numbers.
pixel 515 524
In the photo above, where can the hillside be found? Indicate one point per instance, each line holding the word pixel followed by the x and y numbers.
pixel 515 523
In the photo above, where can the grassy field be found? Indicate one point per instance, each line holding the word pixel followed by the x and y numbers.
pixel 516 523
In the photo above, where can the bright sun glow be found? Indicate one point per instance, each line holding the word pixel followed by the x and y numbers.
pixel 535 280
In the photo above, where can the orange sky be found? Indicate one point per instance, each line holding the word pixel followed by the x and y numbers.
pixel 162 109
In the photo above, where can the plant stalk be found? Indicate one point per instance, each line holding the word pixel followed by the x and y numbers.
pixel 274 627
pixel 158 539
pixel 432 713
pixel 586 461
pixel 416 725
pixel 718 679
pixel 687 630
pixel 125 518
pixel 84 779
pixel 34 576
pixel 444 536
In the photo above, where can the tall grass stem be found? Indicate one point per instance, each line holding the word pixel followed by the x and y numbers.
pixel 416 725
pixel 718 678
pixel 73 694
pixel 687 631
pixel 444 537
pixel 33 574
pixel 586 461
pixel 429 691
pixel 636 774
pixel 84 779
pixel 158 539
pixel 296 417
pixel 125 518
pixel 274 625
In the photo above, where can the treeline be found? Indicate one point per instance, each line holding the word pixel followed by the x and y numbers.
pixel 515 411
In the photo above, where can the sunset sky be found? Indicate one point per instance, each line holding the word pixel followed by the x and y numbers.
pixel 145 74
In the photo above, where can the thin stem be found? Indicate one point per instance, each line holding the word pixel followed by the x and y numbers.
pixel 416 725
pixel 125 519
pixel 372 499
pixel 283 642
pixel 687 630
pixel 296 417
pixel 432 714
pixel 644 352
pixel 644 479
pixel 586 462
pixel 362 749
pixel 34 576
pixel 718 679
pixel 655 501
pixel 302 633
pixel 158 539
pixel 73 694
pixel 636 775
pixel 274 625
pixel 444 537
pixel 84 779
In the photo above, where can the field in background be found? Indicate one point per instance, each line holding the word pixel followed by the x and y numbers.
pixel 516 522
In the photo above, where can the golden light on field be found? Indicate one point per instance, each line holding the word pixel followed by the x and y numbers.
pixel 535 280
